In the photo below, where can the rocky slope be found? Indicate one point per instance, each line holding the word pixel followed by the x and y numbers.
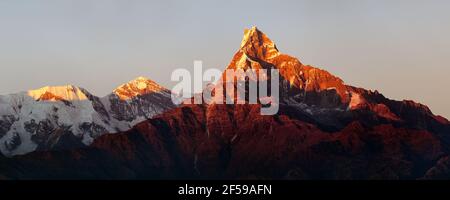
pixel 70 117
pixel 324 129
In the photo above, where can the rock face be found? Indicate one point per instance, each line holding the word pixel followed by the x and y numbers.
pixel 47 117
pixel 300 81
pixel 324 129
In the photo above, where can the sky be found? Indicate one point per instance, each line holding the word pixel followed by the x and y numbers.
pixel 398 47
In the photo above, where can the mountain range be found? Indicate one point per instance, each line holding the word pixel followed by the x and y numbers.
pixel 325 129
pixel 64 117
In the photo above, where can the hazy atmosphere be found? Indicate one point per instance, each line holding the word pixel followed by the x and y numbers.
pixel 400 48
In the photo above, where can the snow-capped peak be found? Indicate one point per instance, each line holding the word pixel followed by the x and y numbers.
pixel 42 118
pixel 138 86
pixel 57 93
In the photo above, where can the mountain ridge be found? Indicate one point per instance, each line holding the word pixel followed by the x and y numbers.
pixel 38 119
pixel 324 130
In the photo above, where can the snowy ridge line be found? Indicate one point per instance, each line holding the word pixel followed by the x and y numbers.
pixel 56 117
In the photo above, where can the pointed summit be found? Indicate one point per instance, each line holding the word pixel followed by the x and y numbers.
pixel 258 51
pixel 136 87
pixel 255 44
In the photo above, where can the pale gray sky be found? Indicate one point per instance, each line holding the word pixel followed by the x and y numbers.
pixel 399 47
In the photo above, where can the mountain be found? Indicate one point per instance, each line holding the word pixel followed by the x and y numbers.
pixel 64 117
pixel 325 129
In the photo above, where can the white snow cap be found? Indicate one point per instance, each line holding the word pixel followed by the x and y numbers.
pixel 138 86
pixel 54 93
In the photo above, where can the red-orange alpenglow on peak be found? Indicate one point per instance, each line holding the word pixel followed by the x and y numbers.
pixel 259 51
pixel 139 86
